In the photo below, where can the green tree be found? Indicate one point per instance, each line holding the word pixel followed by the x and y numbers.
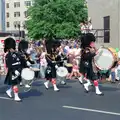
pixel 56 18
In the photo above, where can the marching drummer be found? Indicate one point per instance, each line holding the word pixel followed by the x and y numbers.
pixel 87 67
pixel 61 59
pixel 14 63
pixel 50 74
pixel 23 48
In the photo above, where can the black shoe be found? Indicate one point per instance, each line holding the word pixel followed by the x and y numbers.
pixel 80 83
pixel 46 88
pixel 86 91
pixel 18 100
pixel 113 82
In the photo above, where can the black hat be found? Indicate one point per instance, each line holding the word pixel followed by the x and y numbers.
pixel 23 45
pixel 52 44
pixel 87 39
pixel 9 43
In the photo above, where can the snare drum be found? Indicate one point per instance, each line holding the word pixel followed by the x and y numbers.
pixel 69 67
pixel 62 72
pixel 104 59
pixel 27 75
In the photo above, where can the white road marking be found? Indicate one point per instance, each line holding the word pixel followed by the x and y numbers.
pixel 92 110
pixel 5 98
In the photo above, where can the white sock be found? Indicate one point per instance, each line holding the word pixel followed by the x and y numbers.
pixel 86 85
pixel 80 79
pixel 16 97
pixel 97 90
pixel 9 92
pixel 55 87
pixel 47 84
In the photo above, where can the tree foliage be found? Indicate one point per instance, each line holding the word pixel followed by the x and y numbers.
pixel 55 18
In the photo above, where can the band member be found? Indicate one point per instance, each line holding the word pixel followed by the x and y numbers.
pixel 22 48
pixel 14 64
pixel 60 58
pixel 50 74
pixel 87 67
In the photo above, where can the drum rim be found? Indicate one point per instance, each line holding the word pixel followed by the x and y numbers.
pixel 112 61
pixel 68 64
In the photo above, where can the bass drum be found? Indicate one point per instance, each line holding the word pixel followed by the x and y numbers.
pixel 113 51
pixel 104 59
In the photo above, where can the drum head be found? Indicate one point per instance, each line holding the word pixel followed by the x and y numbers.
pixel 104 60
pixel 62 72
pixel 27 74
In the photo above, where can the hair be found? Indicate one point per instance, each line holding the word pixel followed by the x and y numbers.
pixel 38 49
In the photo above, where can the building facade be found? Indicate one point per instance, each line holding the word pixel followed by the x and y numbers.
pixel 16 14
pixel 2 15
pixel 105 15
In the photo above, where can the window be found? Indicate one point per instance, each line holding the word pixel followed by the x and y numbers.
pixel 28 3
pixel 107 29
pixel 8 15
pixel 24 24
pixel 26 14
pixel 8 24
pixel 16 4
pixel 16 24
pixel 16 14
pixel 7 5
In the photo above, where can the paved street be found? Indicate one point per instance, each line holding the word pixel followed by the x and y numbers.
pixel 71 103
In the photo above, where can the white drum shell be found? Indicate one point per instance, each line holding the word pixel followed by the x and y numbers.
pixel 27 74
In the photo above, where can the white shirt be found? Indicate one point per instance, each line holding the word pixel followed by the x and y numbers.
pixel 77 52
pixel 119 54
pixel 67 48
pixel 29 50
pixel 43 61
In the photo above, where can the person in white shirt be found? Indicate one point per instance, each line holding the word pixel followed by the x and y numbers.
pixel 43 64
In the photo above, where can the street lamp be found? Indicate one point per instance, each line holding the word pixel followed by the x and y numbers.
pixel 21 33
pixel 19 30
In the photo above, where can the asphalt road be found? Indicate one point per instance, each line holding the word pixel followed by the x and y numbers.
pixel 71 103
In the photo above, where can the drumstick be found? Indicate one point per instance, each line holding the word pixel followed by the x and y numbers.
pixel 34 69
pixel 97 57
